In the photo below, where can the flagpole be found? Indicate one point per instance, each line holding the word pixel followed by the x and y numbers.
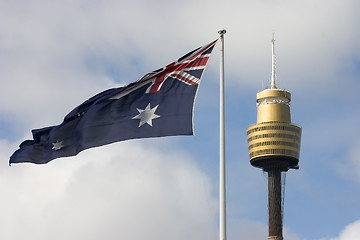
pixel 222 189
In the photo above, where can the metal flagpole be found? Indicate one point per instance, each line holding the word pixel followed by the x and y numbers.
pixel 222 191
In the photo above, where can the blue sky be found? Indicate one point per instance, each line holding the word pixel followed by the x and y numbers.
pixel 54 55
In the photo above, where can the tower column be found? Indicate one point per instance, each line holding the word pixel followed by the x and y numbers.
pixel 274 201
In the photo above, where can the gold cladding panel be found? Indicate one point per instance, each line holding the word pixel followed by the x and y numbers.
pixel 273 93
pixel 273 112
pixel 274 138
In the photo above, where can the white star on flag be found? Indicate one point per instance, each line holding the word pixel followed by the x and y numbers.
pixel 146 115
pixel 57 145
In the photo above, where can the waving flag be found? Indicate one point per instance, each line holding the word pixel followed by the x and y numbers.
pixel 159 104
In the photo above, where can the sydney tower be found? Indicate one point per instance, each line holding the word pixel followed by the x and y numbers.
pixel 274 146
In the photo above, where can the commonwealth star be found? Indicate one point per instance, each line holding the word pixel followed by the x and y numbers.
pixel 57 145
pixel 146 115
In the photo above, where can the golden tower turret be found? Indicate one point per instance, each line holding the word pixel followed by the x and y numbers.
pixel 274 145
pixel 274 139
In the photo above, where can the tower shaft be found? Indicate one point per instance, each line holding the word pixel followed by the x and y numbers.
pixel 275 204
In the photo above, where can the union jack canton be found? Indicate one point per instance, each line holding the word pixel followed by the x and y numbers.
pixel 187 69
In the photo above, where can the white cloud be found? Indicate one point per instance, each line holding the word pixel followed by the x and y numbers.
pixel 350 232
pixel 121 191
pixel 350 168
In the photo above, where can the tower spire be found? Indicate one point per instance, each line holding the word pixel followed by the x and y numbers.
pixel 273 63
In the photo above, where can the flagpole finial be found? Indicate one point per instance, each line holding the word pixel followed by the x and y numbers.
pixel 222 31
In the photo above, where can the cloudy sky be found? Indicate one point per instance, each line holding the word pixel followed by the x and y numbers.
pixel 56 54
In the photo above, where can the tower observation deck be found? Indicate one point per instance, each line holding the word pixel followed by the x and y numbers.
pixel 274 140
pixel 274 145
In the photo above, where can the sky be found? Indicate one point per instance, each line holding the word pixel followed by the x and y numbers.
pixel 56 54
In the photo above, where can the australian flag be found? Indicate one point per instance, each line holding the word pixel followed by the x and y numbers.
pixel 159 104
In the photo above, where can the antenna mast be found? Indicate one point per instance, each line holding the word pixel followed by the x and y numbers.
pixel 273 77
